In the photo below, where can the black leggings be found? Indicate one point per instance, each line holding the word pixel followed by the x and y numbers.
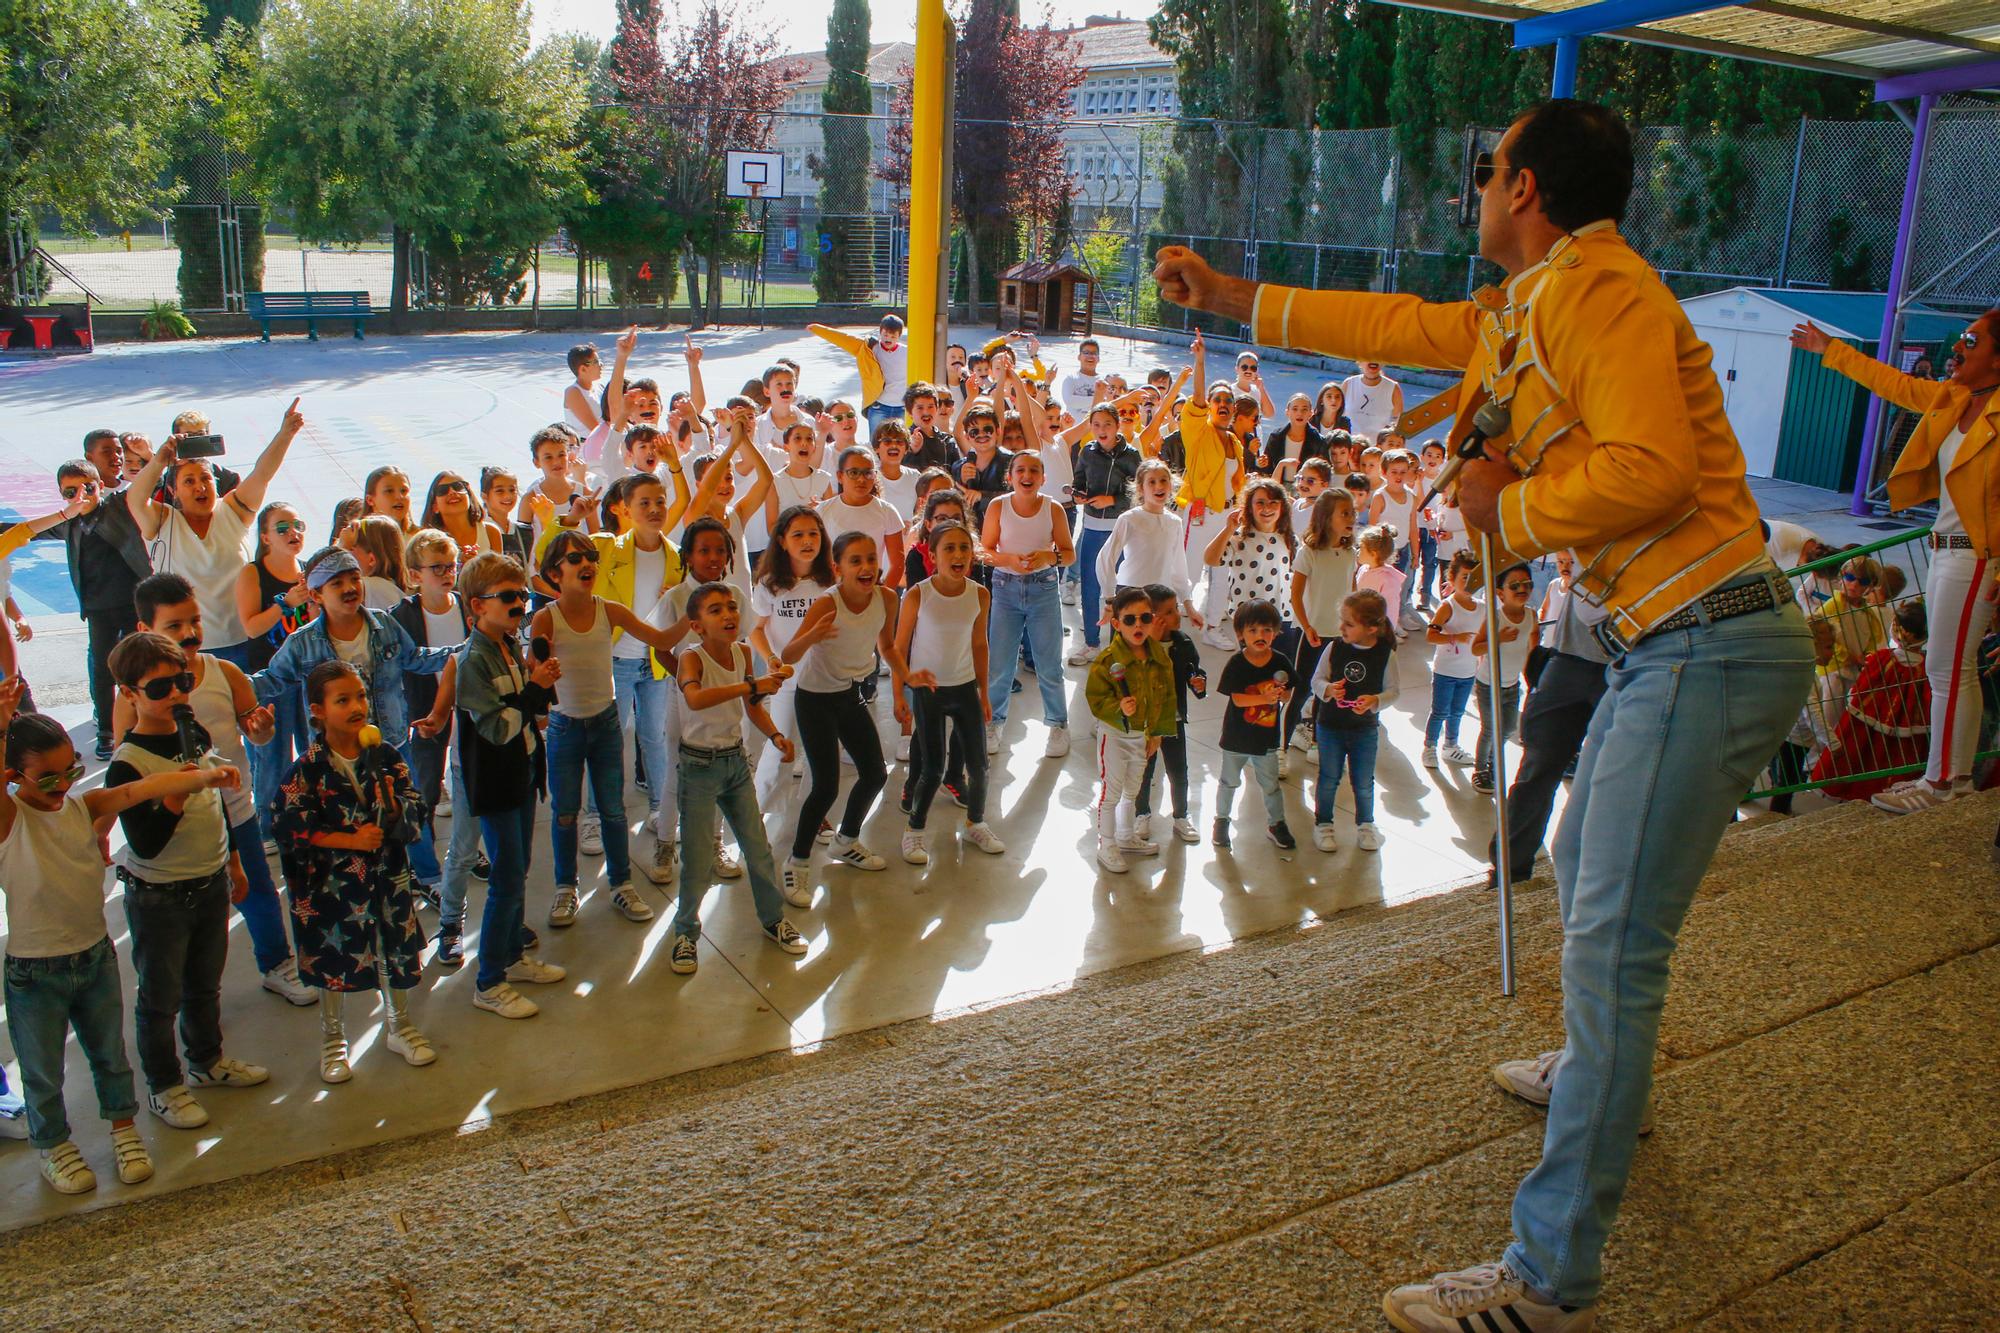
pixel 958 704
pixel 1173 752
pixel 1302 673
pixel 829 723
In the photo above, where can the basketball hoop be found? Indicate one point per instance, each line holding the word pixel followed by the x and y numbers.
pixel 753 175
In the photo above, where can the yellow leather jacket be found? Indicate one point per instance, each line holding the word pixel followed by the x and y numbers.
pixel 1617 417
pixel 1975 469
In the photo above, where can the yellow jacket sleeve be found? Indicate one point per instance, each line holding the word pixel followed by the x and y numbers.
pixel 1206 461
pixel 865 363
pixel 14 538
pixel 1402 330
pixel 1618 358
pixel 1885 381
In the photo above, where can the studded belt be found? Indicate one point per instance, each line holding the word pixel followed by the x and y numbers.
pixel 1950 541
pixel 1764 592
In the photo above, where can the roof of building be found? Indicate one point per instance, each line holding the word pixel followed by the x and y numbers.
pixel 1044 270
pixel 886 62
pixel 1856 315
pixel 1117 45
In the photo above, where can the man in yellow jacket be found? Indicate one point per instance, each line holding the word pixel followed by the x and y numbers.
pixel 1618 447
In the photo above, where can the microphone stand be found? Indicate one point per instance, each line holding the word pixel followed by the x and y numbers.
pixel 1503 873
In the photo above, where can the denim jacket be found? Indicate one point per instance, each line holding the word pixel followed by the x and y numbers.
pixel 390 649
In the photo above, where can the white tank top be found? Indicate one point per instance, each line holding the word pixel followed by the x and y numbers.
pixel 721 726
pixel 211 564
pixel 942 644
pixel 215 708
pixel 1025 536
pixel 570 418
pixel 1455 659
pixel 1401 514
pixel 833 664
pixel 200 843
pixel 584 688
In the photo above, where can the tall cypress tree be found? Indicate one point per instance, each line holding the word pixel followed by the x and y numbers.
pixel 845 268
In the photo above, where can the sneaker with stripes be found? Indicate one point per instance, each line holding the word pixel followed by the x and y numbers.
pixel 1490 1298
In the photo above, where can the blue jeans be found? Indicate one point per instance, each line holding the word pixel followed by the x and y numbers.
pixel 597 745
pixel 1687 720
pixel 875 414
pixel 1265 767
pixel 1089 542
pixel 510 845
pixel 263 914
pixel 270 761
pixel 1427 551
pixel 1354 748
pixel 715 784
pixel 1027 606
pixel 462 851
pixel 46 997
pixel 1449 695
pixel 651 700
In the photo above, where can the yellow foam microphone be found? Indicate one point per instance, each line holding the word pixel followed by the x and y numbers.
pixel 370 736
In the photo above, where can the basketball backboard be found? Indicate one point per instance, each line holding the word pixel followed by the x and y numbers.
pixel 751 175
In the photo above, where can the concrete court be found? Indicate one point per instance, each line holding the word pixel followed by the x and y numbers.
pixel 1263 1137
pixel 965 932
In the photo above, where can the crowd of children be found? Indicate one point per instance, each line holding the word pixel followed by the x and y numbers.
pixel 732 586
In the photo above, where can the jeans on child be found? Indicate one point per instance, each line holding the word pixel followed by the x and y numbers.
pixel 1427 555
pixel 1448 699
pixel 510 846
pixel 1089 543
pixel 1354 749
pixel 291 736
pixel 1121 767
pixel 877 413
pixel 46 997
pixel 462 851
pixel 655 703
pixel 1510 713
pixel 1687 720
pixel 1265 767
pixel 596 746
pixel 1027 605
pixel 262 912
pixel 718 785
pixel 180 940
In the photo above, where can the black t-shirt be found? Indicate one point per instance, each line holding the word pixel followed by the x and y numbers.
pixel 1251 730
pixel 932 449
pixel 1364 670
pixel 986 483
pixel 1173 452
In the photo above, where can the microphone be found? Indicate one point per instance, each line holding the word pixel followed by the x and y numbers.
pixel 184 729
pixel 1282 679
pixel 1117 673
pixel 1489 422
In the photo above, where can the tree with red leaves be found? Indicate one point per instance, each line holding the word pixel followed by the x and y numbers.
pixel 1012 91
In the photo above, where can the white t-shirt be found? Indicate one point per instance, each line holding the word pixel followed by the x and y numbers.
pixel 900 491
pixel 211 563
pixel 353 651
pixel 1077 392
pixel 649 569
pixel 770 435
pixel 380 594
pixel 878 518
pixel 1370 407
pixel 1057 469
pixel 1947 520
pixel 781 613
pixel 443 630
pixel 1329 575
pixel 804 490
pixel 53 877
pixel 895 372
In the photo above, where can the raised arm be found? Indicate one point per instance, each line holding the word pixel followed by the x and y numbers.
pixel 248 497
pixel 697 395
pixel 1882 380
pixel 614 402
pixel 763 491
pixel 148 513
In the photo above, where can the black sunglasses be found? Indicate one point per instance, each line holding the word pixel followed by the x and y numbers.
pixel 444 486
pixel 87 488
pixel 160 687
pixel 1483 169
pixel 1136 618
pixel 507 595
pixel 572 559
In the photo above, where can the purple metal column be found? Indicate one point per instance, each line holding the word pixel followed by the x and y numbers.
pixel 1877 425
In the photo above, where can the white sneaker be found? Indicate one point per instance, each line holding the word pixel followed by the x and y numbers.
pixel 629 904
pixel 1919 796
pixel 824 834
pixel 1142 826
pixel 1457 754
pixel 1058 745
pixel 413 1046
pixel 726 866
pixel 283 982
pixel 659 867
pixel 1430 756
pixel 129 1155
pixel 536 971
pixel 1080 656
pixel 505 1001
pixel 685 958
pixel 590 836
pixel 1284 764
pixel 1185 830
pixel 786 936
pixel 902 749
pixel 993 737
pixel 13 1122
pixel 913 847
pixel 851 851
pixel 1111 859
pixel 982 836
pixel 1324 839
pixel 1494 1292
pixel 795 882
pixel 66 1171
pixel 442 810
pixel 1069 593
pixel 1302 736
pixel 177 1106
pixel 1534 1080
pixel 562 907
pixel 1139 846
pixel 1368 838
pixel 227 1073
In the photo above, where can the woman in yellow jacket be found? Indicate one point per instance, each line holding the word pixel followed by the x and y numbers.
pixel 1953 458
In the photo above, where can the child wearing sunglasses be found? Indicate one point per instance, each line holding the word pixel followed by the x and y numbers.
pixel 177 884
pixel 1515 586
pixel 1131 692
pixel 434 617
pixel 584 734
pixel 1354 678
pixel 62 971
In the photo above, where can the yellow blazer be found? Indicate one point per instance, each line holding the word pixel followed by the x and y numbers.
pixel 1617 420
pixel 1975 471
pixel 872 378
pixel 617 570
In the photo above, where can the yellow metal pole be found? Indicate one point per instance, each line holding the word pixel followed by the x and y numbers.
pixel 930 185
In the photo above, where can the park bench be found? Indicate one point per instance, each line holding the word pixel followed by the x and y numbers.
pixel 264 307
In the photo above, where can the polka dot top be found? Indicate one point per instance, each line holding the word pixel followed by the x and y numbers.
pixel 1259 565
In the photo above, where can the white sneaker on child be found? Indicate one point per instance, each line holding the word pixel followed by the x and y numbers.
pixel 1058 745
pixel 1430 756
pixel 536 971
pixel 913 847
pixel 902 749
pixel 984 838
pixel 65 1170
pixel 1368 838
pixel 1139 846
pixel 795 882
pixel 851 851
pixel 1324 838
pixel 129 1155
pixel 1185 830
pixel 1109 857
pixel 177 1106
pixel 505 1001
pixel 1457 754
pixel 228 1073
pixel 590 836
pixel 283 982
